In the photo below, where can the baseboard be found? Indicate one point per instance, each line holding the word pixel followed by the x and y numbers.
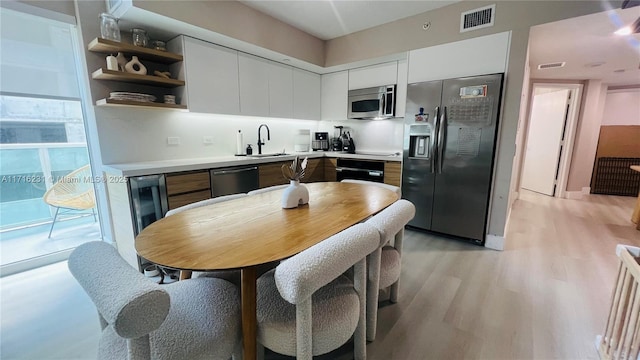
pixel 577 195
pixel 573 195
pixel 33 263
pixel 494 242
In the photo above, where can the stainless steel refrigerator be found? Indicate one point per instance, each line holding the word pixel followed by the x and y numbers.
pixel 449 144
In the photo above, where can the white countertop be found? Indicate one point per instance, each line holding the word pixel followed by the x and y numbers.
pixel 168 166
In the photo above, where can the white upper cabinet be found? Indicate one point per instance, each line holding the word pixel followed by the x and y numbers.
pixel 334 94
pixel 477 56
pixel 280 90
pixel 306 95
pixel 401 88
pixel 211 74
pixel 225 81
pixel 374 75
pixel 254 85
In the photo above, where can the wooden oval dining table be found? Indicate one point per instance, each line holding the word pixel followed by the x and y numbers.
pixel 247 232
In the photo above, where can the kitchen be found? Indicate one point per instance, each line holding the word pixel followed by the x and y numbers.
pixel 128 127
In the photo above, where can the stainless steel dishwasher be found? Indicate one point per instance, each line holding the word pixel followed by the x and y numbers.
pixel 226 181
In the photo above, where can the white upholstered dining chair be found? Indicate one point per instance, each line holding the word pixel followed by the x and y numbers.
pixel 307 306
pixel 385 264
pixel 383 185
pixel 194 319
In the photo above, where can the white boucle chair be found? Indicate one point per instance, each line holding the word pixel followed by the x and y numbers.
pixel 140 319
pixel 385 264
pixel 307 306
pixel 386 186
pixel 267 189
pixel 230 275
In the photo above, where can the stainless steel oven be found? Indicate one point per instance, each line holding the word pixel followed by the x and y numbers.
pixel 360 170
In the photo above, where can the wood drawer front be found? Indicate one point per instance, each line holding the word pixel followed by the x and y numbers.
pixel 183 183
pixel 176 201
pixel 271 174
pixel 330 169
pixel 314 171
pixel 392 171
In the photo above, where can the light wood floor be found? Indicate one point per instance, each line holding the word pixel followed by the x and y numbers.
pixel 545 297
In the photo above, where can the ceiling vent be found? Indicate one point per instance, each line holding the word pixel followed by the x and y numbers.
pixel 478 18
pixel 551 65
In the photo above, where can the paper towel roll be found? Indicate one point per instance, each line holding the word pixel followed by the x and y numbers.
pixel 239 143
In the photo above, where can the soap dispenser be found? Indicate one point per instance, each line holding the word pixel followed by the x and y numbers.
pixel 249 150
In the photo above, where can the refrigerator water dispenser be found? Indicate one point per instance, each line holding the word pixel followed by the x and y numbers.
pixel 419 141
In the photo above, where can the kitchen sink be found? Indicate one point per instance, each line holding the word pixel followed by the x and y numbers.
pixel 266 155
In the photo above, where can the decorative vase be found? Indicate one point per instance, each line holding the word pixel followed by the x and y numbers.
pixel 294 195
pixel 122 61
pixel 135 67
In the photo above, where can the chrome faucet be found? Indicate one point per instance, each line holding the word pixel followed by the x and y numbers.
pixel 260 142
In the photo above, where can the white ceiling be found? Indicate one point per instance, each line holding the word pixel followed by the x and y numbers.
pixel 585 41
pixel 327 19
pixel 579 41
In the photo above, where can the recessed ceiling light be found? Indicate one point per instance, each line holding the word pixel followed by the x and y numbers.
pixel 595 64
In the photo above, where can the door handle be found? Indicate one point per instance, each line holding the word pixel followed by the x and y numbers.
pixel 434 137
pixel 441 136
pixel 223 172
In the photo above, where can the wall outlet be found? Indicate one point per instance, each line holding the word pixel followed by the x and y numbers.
pixel 173 140
pixel 207 140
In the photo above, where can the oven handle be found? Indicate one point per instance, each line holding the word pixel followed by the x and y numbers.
pixel 370 172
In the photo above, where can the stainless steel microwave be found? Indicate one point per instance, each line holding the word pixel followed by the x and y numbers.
pixel 372 103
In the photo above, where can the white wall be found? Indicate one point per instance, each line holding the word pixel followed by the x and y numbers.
pixel 132 135
pixel 622 107
pixel 371 135
pixel 520 139
pixel 588 131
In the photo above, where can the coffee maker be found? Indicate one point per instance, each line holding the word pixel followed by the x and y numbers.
pixel 321 141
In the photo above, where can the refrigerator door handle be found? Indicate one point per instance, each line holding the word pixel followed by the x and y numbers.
pixel 432 151
pixel 441 136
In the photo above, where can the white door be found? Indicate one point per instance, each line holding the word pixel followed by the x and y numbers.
pixel 542 154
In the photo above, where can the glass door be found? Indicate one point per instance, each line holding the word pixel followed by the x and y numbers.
pixel 47 199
